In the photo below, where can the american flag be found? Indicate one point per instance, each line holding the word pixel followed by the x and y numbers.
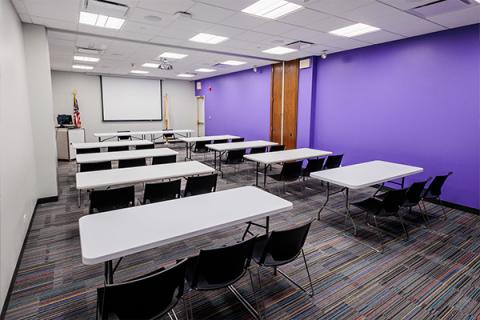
pixel 76 113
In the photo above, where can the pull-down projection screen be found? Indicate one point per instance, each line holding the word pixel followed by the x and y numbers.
pixel 126 99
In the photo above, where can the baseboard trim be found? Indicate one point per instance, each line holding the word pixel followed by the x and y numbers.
pixel 20 256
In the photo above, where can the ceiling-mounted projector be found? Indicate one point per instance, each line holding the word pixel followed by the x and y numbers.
pixel 164 64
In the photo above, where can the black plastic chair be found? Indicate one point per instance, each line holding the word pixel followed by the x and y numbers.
pixel 283 247
pixel 148 297
pixel 258 150
pixel 111 199
pixel 124 137
pixel 200 146
pixel 291 171
pixel 164 159
pixel 95 166
pixel 278 147
pixel 219 268
pixel 389 206
pixel 237 140
pixel 313 165
pixel 162 191
pixel 128 163
pixel 333 162
pixel 88 150
pixel 235 156
pixel 168 137
pixel 220 141
pixel 434 191
pixel 200 185
pixel 117 148
pixel 145 146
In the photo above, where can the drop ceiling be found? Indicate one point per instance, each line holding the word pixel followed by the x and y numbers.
pixel 142 39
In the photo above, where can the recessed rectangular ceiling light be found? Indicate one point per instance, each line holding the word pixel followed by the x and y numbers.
pixel 272 9
pixel 185 75
pixel 205 70
pixel 150 65
pixel 100 20
pixel 139 71
pixel 279 50
pixel 172 55
pixel 233 62
pixel 354 30
pixel 81 66
pixel 208 38
pixel 86 59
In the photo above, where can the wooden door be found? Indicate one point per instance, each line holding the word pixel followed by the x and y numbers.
pixel 276 104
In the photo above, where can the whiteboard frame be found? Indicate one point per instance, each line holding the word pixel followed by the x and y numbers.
pixel 134 120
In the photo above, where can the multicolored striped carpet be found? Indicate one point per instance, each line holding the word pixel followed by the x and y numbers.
pixel 435 275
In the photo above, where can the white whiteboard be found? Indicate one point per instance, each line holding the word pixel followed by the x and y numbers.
pixel 126 99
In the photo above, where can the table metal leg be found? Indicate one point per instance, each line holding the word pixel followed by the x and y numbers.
pixel 256 174
pixel 325 203
pixel 264 176
pixel 347 207
pixel 220 163
pixel 267 224
pixel 79 197
pixel 403 182
pixel 109 272
pixel 215 159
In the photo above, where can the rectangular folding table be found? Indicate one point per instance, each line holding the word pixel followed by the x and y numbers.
pixel 143 134
pixel 124 155
pixel 189 142
pixel 106 144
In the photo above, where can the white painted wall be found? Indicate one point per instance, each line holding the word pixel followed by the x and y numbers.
pixel 180 93
pixel 18 183
pixel 41 105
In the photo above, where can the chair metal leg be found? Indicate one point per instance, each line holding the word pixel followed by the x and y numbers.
pixel 257 305
pixel 262 310
pixel 424 215
pixel 403 226
pixel 377 229
pixel 308 274
pixel 443 208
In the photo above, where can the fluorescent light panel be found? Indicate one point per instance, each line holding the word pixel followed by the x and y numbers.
pixel 233 62
pixel 86 59
pixel 208 38
pixel 354 30
pixel 279 50
pixel 150 65
pixel 272 9
pixel 100 20
pixel 139 71
pixel 205 70
pixel 185 75
pixel 172 55
pixel 82 67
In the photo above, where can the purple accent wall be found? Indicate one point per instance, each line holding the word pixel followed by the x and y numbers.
pixel 414 101
pixel 238 104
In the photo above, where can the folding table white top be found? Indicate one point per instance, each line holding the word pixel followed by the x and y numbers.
pixel 106 144
pixel 208 138
pixel 124 155
pixel 366 174
pixel 286 155
pixel 111 177
pixel 114 234
pixel 133 133
pixel 240 145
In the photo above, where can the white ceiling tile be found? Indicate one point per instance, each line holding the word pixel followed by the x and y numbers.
pixel 208 13
pixel 406 4
pixel 139 14
pixel 379 37
pixel 304 17
pixel 329 24
pixel 275 27
pixel 303 34
pixel 167 6
pixel 252 36
pixel 459 18
pixel 243 21
pixel 67 10
pixel 225 31
pixel 336 7
pixel 54 23
pixel 365 13
pixel 236 5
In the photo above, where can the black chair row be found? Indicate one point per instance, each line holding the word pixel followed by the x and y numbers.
pixel 157 293
pixel 126 163
pixel 200 146
pixel 119 198
pixel 117 148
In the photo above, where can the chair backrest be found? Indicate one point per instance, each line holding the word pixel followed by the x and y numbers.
pixel 124 137
pixel 392 201
pixel 127 163
pixel 200 185
pixel 95 166
pixel 291 170
pixel 237 140
pixel 235 156
pixel 200 146
pixel 220 141
pixel 278 147
pixel 313 165
pixel 258 150
pixel 145 146
pixel 112 199
pixel 333 162
pixel 415 191
pixel 162 191
pixel 148 297
pixel 117 148
pixel 284 246
pixel 220 267
pixel 88 150
pixel 164 159
pixel 435 187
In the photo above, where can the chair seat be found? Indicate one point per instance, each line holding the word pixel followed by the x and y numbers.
pixel 370 204
pixel 278 177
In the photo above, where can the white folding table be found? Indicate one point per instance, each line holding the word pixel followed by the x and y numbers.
pixel 106 144
pixel 143 134
pixel 221 148
pixel 115 234
pixel 124 155
pixel 189 142
pixel 363 175
pixel 269 158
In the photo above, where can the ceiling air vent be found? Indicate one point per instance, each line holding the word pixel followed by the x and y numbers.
pixel 438 7
pixel 299 45
pixel 108 8
pixel 89 50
